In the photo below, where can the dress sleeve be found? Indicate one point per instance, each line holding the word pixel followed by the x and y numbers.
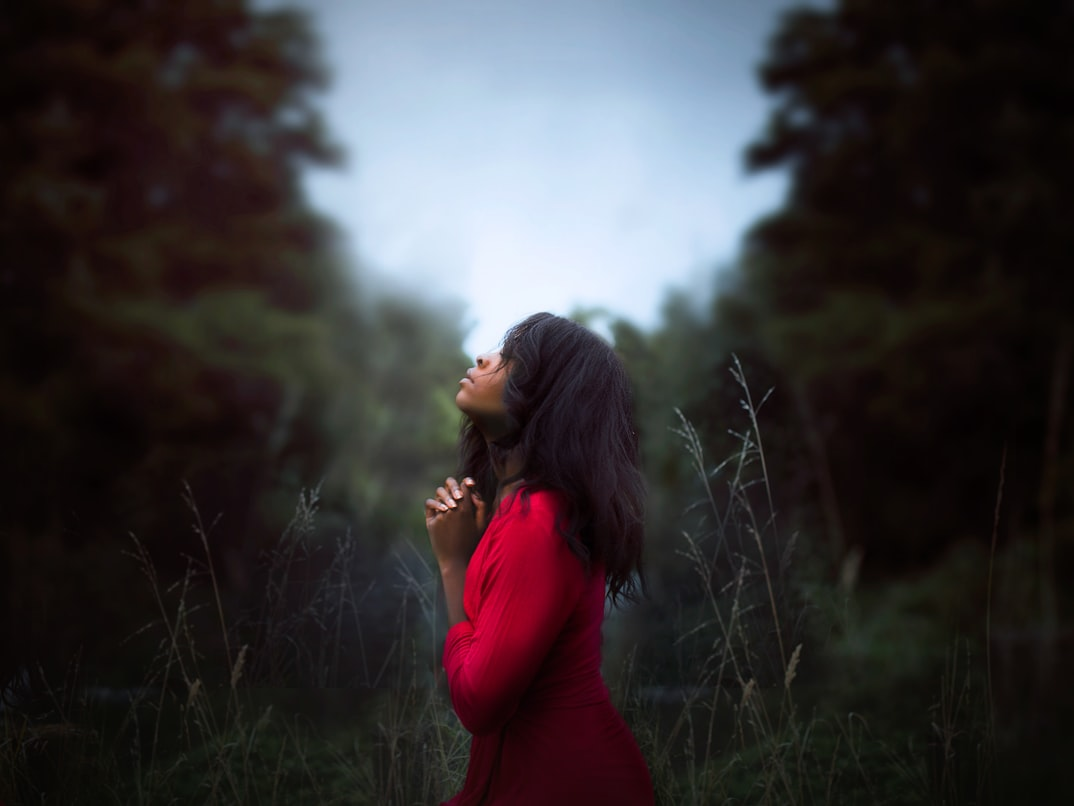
pixel 529 585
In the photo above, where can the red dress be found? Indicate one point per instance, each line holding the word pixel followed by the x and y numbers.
pixel 524 673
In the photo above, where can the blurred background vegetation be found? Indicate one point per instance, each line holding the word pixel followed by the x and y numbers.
pixel 174 312
pixel 180 325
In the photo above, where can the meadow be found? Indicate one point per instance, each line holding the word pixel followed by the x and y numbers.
pixel 764 683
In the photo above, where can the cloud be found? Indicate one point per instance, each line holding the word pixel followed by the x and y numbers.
pixel 544 156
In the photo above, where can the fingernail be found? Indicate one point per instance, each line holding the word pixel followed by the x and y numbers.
pixel 469 481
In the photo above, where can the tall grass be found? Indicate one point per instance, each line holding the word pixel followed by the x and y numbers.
pixel 745 728
pixel 281 703
pixel 289 702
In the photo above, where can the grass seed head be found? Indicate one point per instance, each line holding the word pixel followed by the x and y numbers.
pixel 792 667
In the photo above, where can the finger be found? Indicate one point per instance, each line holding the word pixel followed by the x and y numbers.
pixel 454 488
pixel 469 487
pixel 472 488
pixel 445 496
pixel 434 507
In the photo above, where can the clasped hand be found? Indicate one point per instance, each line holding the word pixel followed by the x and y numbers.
pixel 455 519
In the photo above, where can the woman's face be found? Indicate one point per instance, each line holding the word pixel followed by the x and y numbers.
pixel 480 394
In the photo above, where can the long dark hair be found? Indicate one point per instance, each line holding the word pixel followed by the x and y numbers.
pixel 570 415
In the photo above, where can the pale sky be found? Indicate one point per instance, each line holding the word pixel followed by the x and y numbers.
pixel 544 155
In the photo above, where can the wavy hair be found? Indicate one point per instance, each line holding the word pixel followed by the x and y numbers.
pixel 570 414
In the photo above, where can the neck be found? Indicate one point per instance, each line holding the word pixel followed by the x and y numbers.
pixel 506 463
pixel 507 467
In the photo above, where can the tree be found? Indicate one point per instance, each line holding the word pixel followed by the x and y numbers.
pixel 171 308
pixel 913 286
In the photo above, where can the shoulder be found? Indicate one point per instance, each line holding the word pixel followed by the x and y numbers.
pixel 533 507
pixel 525 536
pixel 527 518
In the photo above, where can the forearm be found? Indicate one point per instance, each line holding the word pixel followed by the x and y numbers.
pixel 454 578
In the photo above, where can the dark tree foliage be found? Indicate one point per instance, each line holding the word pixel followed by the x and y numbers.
pixel 153 239
pixel 172 310
pixel 914 288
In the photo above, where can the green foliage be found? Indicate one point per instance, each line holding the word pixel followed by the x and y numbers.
pixel 913 289
pixel 788 688
pixel 796 691
pixel 251 706
pixel 684 370
pixel 173 312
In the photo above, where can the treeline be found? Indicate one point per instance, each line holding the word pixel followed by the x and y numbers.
pixel 174 312
pixel 174 317
pixel 910 305
pixel 910 302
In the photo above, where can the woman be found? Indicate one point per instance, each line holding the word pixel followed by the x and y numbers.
pixel 552 489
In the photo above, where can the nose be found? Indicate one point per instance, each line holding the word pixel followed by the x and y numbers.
pixel 482 360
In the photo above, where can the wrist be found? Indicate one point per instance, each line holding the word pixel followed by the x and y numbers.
pixel 453 568
pixel 453 576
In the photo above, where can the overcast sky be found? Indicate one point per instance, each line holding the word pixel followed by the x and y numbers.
pixel 545 155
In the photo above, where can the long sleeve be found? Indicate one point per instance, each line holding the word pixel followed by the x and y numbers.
pixel 527 585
